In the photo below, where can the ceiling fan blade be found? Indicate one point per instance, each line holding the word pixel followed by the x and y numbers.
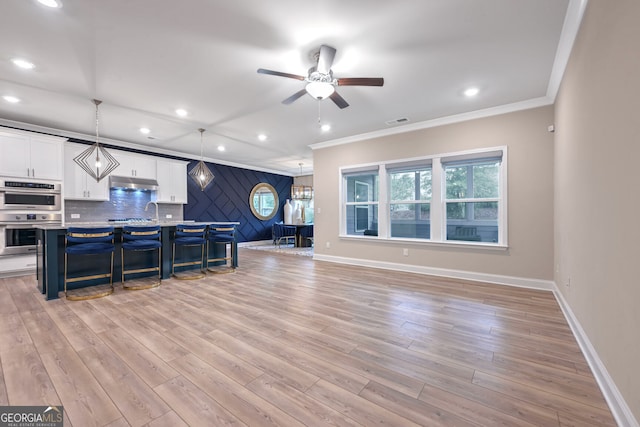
pixel 325 59
pixel 279 73
pixel 295 96
pixel 340 102
pixel 361 81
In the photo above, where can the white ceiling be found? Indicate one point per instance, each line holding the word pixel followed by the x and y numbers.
pixel 144 59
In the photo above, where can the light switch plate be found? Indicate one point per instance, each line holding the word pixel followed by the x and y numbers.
pixel 75 216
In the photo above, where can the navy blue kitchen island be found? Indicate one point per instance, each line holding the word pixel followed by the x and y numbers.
pixel 50 254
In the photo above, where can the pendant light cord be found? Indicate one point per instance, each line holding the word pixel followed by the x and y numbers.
pixel 201 130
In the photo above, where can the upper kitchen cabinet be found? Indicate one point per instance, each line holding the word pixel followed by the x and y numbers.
pixel 172 181
pixel 30 155
pixel 136 165
pixel 78 184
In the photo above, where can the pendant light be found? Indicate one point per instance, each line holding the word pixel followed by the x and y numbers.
pixel 96 160
pixel 201 174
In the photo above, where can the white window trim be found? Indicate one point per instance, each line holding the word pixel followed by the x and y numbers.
pixel 438 203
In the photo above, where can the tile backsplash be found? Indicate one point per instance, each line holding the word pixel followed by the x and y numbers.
pixel 121 204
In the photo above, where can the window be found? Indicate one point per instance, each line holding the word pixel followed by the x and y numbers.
pixel 472 198
pixel 361 205
pixel 410 202
pixel 451 198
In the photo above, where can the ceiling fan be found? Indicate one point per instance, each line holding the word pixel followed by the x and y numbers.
pixel 320 81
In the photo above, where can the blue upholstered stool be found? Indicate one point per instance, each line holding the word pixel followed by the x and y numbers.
pixel 138 239
pixel 283 232
pixel 86 247
pixel 220 235
pixel 189 235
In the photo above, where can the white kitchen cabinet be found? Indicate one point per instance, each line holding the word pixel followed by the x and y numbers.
pixel 17 265
pixel 29 155
pixel 172 181
pixel 137 165
pixel 78 184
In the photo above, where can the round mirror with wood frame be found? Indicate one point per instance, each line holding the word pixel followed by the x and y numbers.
pixel 264 201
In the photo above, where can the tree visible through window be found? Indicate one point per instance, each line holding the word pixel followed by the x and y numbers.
pixel 440 198
pixel 472 200
pixel 410 207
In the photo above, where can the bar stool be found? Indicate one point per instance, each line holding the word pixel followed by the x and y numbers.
pixel 188 235
pixel 283 232
pixel 137 239
pixel 81 242
pixel 220 235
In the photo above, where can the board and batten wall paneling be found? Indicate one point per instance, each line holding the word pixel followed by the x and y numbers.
pixel 227 199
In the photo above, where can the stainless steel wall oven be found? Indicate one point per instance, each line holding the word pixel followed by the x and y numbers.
pixel 18 233
pixel 28 195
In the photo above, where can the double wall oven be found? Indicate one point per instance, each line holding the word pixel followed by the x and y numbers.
pixel 23 204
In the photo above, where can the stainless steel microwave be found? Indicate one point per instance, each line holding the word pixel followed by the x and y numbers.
pixel 30 195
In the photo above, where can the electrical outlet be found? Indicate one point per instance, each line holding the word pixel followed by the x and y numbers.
pixel 405 252
pixel 75 216
pixel 328 245
pixel 318 210
pixel 168 216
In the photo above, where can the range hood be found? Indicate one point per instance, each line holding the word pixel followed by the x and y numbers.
pixel 133 183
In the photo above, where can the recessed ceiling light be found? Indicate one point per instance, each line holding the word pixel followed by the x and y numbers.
pixel 22 63
pixel 11 99
pixel 472 91
pixel 221 148
pixel 325 128
pixel 145 130
pixel 50 3
pixel 262 137
pixel 181 112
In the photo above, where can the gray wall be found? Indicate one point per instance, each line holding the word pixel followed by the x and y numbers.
pixel 596 189
pixel 530 194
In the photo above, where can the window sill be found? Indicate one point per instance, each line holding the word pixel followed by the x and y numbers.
pixel 424 242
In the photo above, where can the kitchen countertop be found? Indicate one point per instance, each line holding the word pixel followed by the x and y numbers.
pixel 122 224
pixel 51 247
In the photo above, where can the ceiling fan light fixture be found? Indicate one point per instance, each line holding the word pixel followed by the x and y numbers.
pixel 320 90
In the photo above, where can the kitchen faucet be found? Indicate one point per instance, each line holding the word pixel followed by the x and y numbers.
pixel 147 207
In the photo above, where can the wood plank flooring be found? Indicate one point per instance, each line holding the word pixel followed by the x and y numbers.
pixel 288 341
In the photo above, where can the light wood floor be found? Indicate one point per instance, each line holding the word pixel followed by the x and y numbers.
pixel 290 341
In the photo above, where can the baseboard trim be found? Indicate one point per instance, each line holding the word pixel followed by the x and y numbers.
pixel 618 406
pixel 17 273
pixel 255 243
pixel 521 282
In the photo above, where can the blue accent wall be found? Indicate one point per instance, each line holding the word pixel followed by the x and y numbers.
pixel 227 199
